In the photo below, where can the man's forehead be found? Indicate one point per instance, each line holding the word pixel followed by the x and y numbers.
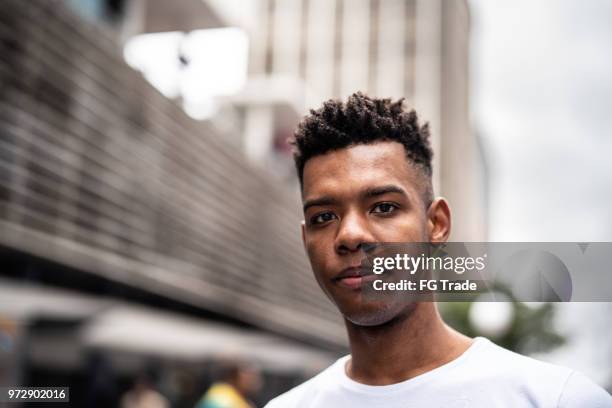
pixel 358 167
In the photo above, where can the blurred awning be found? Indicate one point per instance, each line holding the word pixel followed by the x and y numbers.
pixel 146 331
pixel 24 302
pixel 127 329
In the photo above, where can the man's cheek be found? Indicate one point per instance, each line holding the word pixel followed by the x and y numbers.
pixel 314 250
pixel 318 259
pixel 322 281
pixel 310 251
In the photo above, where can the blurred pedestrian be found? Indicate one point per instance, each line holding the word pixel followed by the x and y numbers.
pixel 143 395
pixel 102 390
pixel 237 383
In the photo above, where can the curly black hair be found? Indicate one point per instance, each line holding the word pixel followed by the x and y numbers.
pixel 362 120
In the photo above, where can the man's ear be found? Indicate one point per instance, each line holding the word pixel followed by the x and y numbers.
pixel 303 227
pixel 439 220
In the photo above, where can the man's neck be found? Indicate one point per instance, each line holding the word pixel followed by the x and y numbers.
pixel 405 348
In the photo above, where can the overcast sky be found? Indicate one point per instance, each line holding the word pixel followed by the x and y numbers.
pixel 542 100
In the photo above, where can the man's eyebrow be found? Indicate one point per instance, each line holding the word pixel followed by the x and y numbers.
pixel 369 193
pixel 377 191
pixel 325 200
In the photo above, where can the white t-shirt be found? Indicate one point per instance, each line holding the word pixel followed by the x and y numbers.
pixel 485 375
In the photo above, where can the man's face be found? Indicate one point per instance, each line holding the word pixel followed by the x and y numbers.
pixel 360 194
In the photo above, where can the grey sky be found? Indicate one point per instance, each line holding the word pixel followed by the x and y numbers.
pixel 541 99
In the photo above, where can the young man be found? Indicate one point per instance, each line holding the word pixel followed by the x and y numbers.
pixel 365 171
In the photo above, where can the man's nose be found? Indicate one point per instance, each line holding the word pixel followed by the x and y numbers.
pixel 353 232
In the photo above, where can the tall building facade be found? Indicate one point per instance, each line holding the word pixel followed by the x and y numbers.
pixel 338 46
pixel 415 49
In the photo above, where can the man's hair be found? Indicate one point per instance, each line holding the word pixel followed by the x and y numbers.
pixel 362 120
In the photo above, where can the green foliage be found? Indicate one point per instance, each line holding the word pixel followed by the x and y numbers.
pixel 531 330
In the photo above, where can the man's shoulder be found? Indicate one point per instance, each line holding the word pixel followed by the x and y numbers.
pixel 535 377
pixel 497 358
pixel 580 391
pixel 300 394
pixel 294 396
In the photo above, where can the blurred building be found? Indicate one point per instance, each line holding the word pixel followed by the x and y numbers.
pixel 115 204
pixel 130 17
pixel 306 51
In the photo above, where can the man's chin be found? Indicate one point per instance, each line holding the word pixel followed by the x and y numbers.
pixel 379 313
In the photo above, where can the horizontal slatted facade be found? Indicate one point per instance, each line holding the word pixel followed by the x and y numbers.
pixel 100 172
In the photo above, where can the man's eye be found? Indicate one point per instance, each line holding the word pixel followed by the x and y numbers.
pixel 384 208
pixel 322 218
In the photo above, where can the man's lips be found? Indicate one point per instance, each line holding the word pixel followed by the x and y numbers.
pixel 354 277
